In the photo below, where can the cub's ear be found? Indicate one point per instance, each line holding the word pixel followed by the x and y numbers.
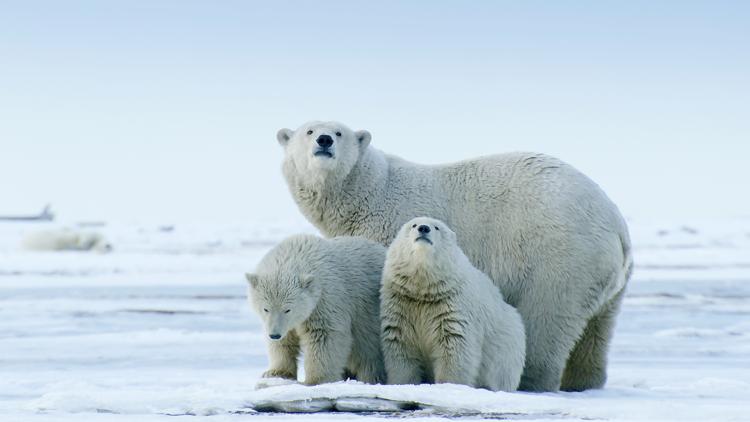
pixel 363 137
pixel 252 279
pixel 305 280
pixel 283 136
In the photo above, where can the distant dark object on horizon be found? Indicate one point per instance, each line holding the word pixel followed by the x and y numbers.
pixel 45 215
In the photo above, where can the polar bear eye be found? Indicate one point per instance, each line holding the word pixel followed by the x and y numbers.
pixel 413 226
pixel 436 228
pixel 309 132
pixel 265 310
pixel 287 311
pixel 338 133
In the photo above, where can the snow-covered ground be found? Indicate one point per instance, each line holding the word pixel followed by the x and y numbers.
pixel 159 327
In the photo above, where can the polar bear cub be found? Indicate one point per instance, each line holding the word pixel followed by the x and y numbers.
pixel 443 320
pixel 321 295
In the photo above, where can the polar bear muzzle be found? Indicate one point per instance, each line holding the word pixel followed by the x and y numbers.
pixel 325 142
pixel 424 234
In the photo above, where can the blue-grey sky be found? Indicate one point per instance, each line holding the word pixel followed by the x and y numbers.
pixel 167 110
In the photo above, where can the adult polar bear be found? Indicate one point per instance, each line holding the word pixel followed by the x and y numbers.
pixel 548 236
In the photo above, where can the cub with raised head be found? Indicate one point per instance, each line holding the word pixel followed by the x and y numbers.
pixel 443 320
pixel 321 296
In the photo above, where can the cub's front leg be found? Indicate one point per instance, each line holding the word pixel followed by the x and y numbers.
pixel 327 352
pixel 283 357
pixel 456 357
pixel 402 362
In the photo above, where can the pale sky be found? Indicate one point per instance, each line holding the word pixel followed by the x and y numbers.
pixel 167 110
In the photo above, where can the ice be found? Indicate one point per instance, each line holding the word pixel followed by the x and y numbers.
pixel 160 328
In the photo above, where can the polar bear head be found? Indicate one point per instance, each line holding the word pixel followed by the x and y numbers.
pixel 423 243
pixel 92 242
pixel 319 151
pixel 283 301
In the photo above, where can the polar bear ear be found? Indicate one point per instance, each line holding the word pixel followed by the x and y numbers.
pixel 363 137
pixel 305 280
pixel 283 136
pixel 252 279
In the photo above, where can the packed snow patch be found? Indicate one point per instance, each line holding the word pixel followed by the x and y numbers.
pixel 160 327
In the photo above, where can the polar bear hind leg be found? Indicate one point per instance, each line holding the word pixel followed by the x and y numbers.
pixel 555 314
pixel 550 338
pixel 587 365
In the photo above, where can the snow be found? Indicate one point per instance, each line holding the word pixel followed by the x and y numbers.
pixel 159 327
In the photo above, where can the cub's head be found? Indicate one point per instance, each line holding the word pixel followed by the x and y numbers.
pixel 319 150
pixel 283 302
pixel 421 240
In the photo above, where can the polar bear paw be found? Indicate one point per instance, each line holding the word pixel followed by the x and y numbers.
pixel 273 382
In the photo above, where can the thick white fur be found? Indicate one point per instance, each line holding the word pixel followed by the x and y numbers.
pixel 547 235
pixel 66 240
pixel 443 320
pixel 323 296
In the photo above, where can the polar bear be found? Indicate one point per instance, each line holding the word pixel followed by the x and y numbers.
pixel 66 240
pixel 322 295
pixel 443 320
pixel 547 235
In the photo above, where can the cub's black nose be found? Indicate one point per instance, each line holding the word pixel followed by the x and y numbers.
pixel 423 229
pixel 274 336
pixel 325 141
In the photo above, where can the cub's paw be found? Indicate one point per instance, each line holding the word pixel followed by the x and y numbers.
pixel 273 382
pixel 279 373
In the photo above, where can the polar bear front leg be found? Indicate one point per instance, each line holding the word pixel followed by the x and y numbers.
pixel 283 357
pixel 402 363
pixel 401 366
pixel 457 358
pixel 326 354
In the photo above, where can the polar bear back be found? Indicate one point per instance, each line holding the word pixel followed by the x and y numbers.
pixel 510 211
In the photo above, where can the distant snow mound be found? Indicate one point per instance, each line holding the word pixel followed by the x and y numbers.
pixel 66 240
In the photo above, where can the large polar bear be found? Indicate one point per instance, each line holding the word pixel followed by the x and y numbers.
pixel 547 235
pixel 442 319
pixel 322 295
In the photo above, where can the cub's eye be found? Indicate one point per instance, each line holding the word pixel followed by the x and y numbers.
pixel 436 228
pixel 287 311
pixel 309 132
pixel 265 310
pixel 413 226
pixel 338 133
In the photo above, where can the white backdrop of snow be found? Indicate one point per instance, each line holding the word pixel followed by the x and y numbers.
pixel 160 327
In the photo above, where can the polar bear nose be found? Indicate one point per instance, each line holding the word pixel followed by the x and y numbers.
pixel 274 336
pixel 423 229
pixel 325 141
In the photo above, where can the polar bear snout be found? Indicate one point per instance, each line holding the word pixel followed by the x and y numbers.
pixel 424 234
pixel 274 336
pixel 325 142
